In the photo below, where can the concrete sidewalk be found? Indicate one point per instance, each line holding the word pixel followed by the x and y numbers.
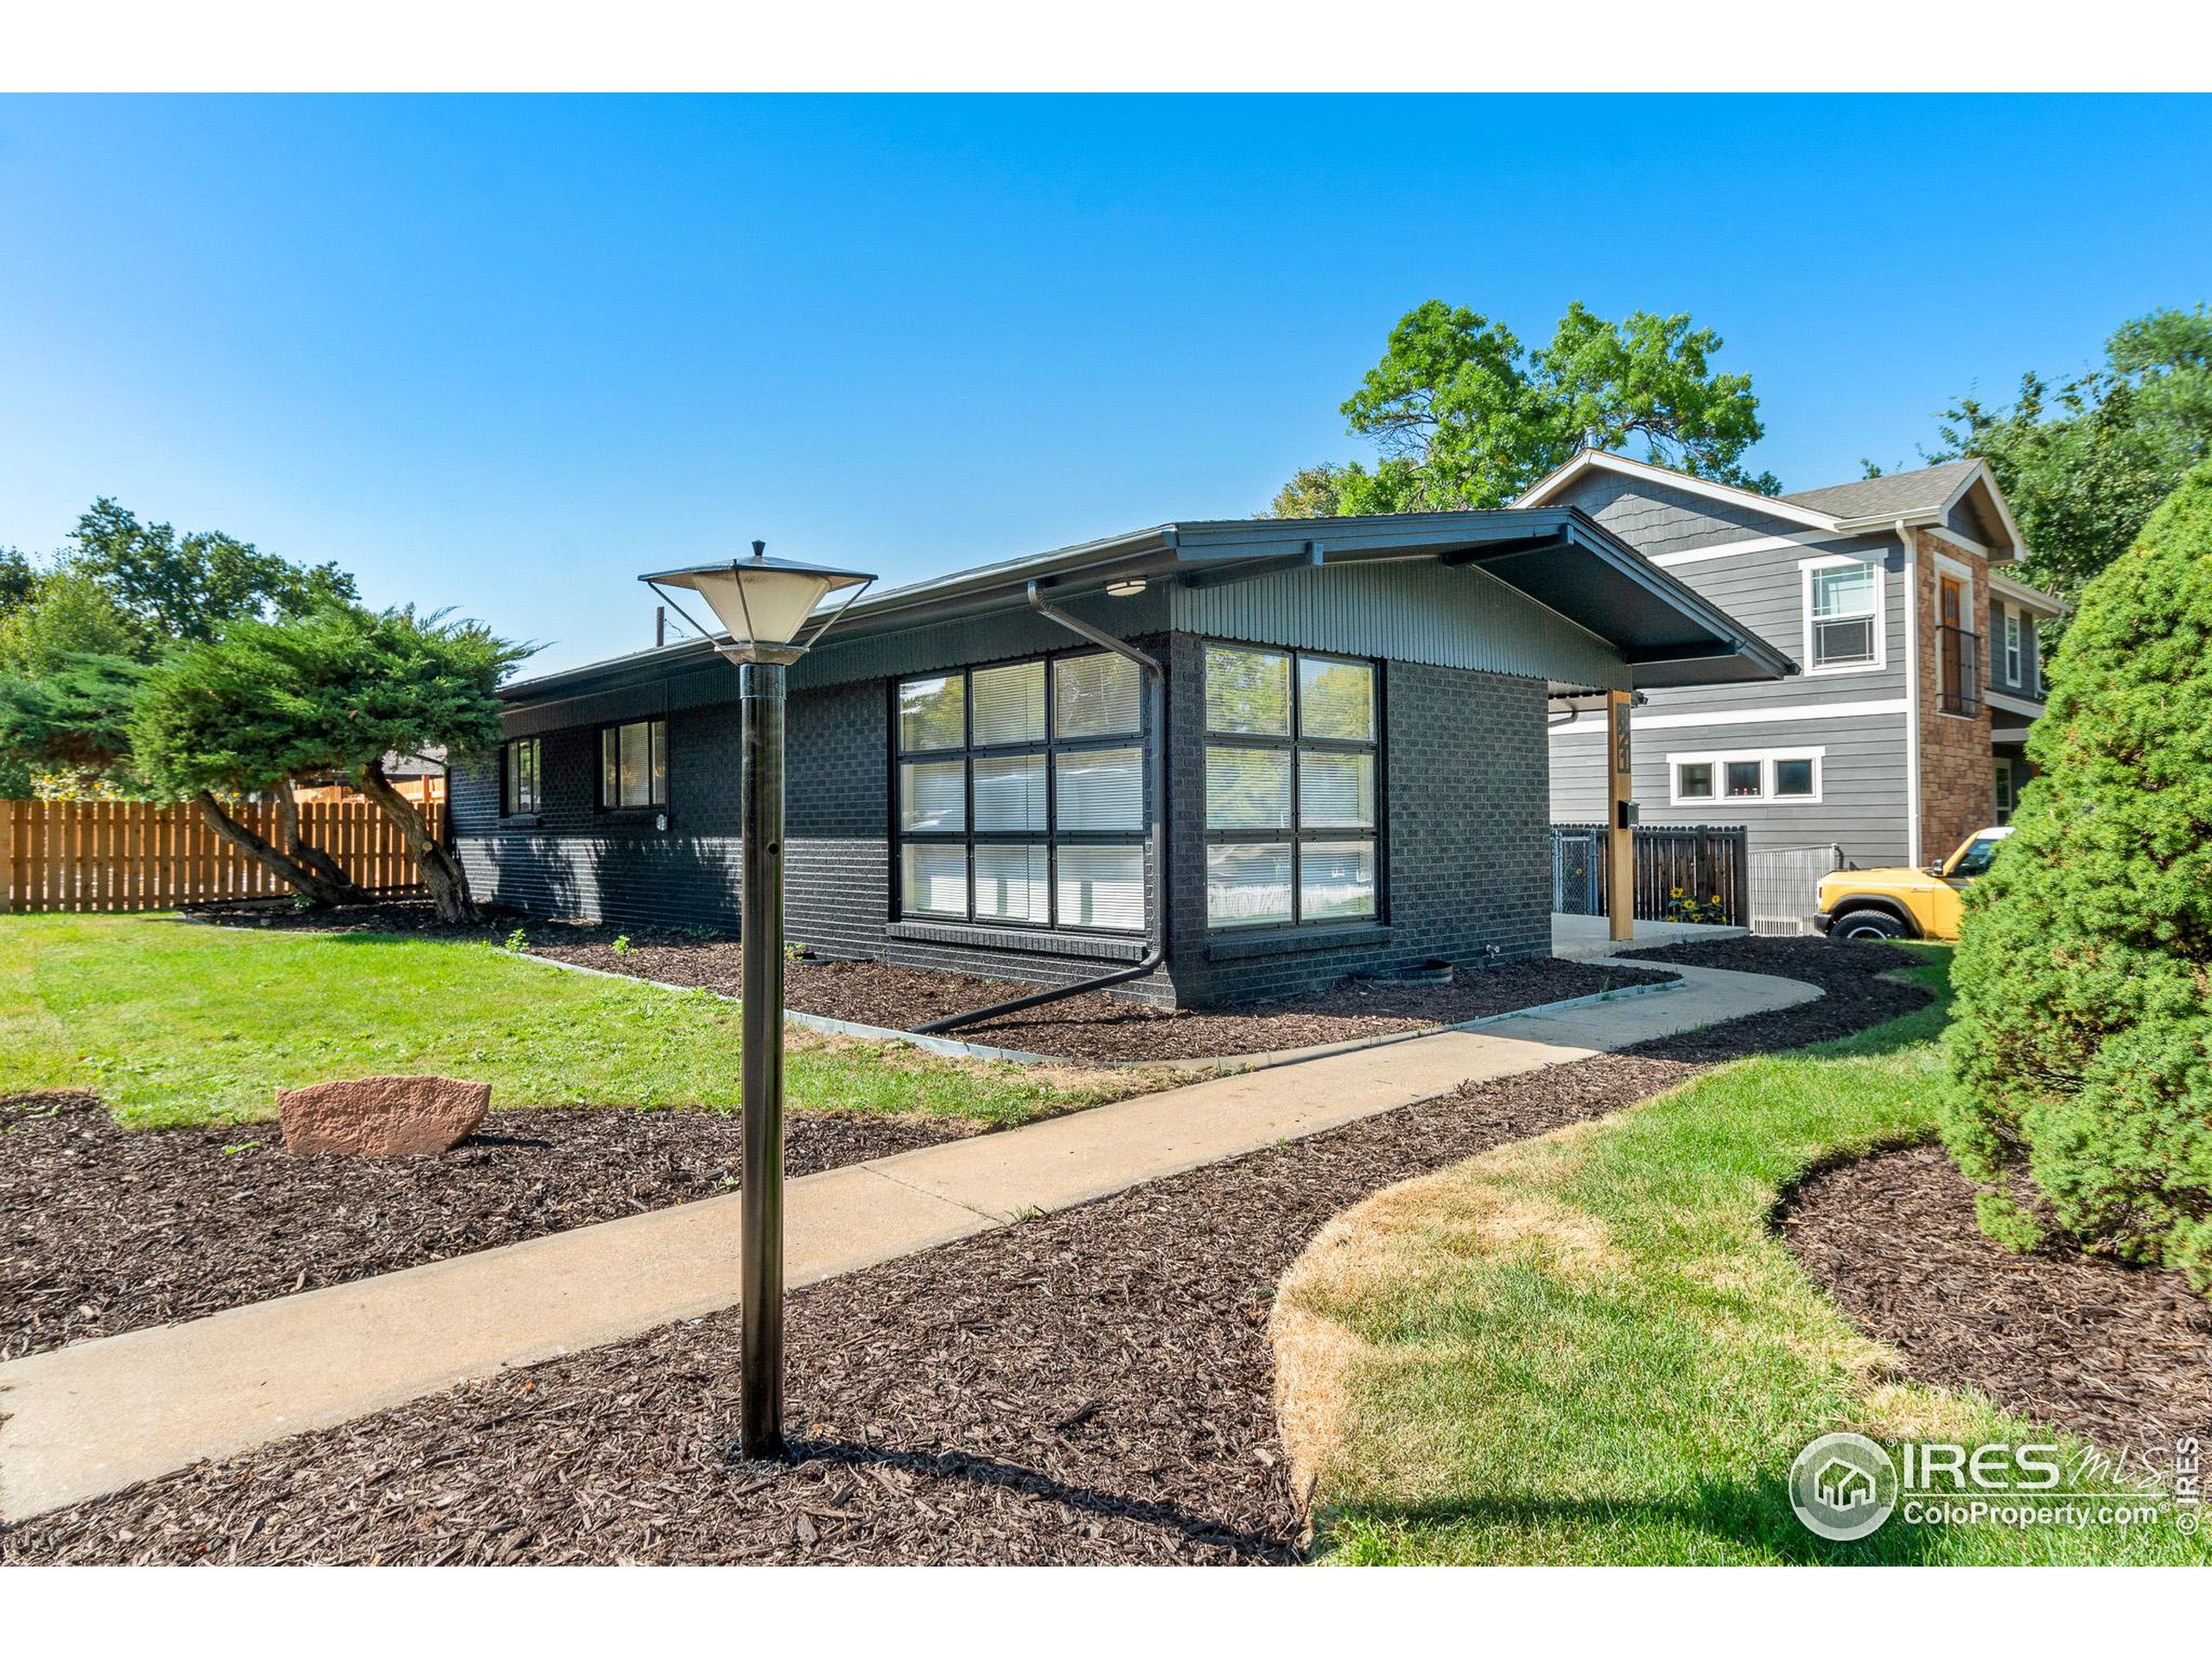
pixel 100 1415
pixel 1589 939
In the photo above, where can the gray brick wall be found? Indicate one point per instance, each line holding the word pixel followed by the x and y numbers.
pixel 1465 843
pixel 1466 787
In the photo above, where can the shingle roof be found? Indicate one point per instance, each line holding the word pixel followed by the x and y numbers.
pixel 1918 492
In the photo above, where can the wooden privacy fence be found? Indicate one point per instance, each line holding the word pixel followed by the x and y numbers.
pixel 1702 860
pixel 116 856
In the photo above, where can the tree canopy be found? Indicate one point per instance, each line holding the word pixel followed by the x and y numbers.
pixel 329 693
pixel 1464 415
pixel 78 630
pixel 2083 465
pixel 188 588
pixel 2083 1048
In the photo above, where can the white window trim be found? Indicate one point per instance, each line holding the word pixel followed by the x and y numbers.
pixel 1719 759
pixel 1834 561
pixel 2014 662
pixel 1967 616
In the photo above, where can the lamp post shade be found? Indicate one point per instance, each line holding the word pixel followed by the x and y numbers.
pixel 764 603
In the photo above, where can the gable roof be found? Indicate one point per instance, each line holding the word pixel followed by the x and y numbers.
pixel 1919 497
pixel 1929 489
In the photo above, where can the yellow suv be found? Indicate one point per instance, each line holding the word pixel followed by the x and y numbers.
pixel 1904 904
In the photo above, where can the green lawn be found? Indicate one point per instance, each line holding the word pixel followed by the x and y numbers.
pixel 174 1023
pixel 1590 1348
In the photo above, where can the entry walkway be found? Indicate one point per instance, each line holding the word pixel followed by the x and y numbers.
pixel 1588 938
pixel 101 1415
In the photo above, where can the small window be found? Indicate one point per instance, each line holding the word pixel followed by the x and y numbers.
pixel 633 764
pixel 1843 615
pixel 1793 778
pixel 523 771
pixel 2004 798
pixel 1693 780
pixel 1744 780
pixel 2013 674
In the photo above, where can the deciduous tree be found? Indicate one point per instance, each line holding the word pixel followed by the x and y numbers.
pixel 1464 415
pixel 2084 464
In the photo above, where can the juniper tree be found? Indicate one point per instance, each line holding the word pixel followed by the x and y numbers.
pixel 2082 1053
pixel 332 692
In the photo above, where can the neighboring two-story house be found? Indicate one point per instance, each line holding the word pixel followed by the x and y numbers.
pixel 1901 734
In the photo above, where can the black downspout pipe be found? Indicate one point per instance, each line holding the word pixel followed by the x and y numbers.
pixel 1155 680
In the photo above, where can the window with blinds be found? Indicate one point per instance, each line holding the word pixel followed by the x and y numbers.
pixel 1293 741
pixel 1020 794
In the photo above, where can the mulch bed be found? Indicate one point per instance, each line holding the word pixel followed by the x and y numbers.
pixel 104 1230
pixel 1097 1027
pixel 1093 1386
pixel 2120 1354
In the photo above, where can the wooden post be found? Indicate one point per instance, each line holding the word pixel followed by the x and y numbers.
pixel 1620 866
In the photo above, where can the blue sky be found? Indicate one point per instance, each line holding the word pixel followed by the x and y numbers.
pixel 503 354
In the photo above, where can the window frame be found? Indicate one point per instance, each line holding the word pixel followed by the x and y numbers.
pixel 1767 760
pixel 510 805
pixel 656 776
pixel 2015 662
pixel 1807 569
pixel 1296 834
pixel 1051 836
pixel 2005 795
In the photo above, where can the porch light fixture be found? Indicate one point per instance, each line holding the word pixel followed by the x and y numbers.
pixel 765 605
pixel 1126 587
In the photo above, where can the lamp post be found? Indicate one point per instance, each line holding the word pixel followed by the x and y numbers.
pixel 765 603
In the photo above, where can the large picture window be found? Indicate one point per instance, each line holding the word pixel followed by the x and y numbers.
pixel 1292 749
pixel 523 784
pixel 1021 794
pixel 633 764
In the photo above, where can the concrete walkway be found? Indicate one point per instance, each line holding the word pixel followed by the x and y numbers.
pixel 1590 938
pixel 100 1415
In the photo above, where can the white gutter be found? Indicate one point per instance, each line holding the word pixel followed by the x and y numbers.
pixel 1911 695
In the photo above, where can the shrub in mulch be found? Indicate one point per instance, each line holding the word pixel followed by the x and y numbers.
pixel 1091 1386
pixel 104 1230
pixel 2120 1354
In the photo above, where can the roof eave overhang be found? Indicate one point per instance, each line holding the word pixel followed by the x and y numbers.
pixel 1558 557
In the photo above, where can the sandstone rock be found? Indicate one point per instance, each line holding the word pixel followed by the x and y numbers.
pixel 375 1117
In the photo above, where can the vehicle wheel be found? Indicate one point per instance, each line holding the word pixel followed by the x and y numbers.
pixel 1868 925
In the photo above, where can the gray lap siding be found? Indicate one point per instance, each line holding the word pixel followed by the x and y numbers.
pixel 1465 793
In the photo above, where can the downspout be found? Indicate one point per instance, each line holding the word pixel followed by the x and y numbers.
pixel 1155 683
pixel 1911 694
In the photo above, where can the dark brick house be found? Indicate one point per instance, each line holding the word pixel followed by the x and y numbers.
pixel 1323 753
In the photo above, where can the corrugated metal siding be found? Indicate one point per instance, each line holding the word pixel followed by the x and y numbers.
pixel 1413 612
